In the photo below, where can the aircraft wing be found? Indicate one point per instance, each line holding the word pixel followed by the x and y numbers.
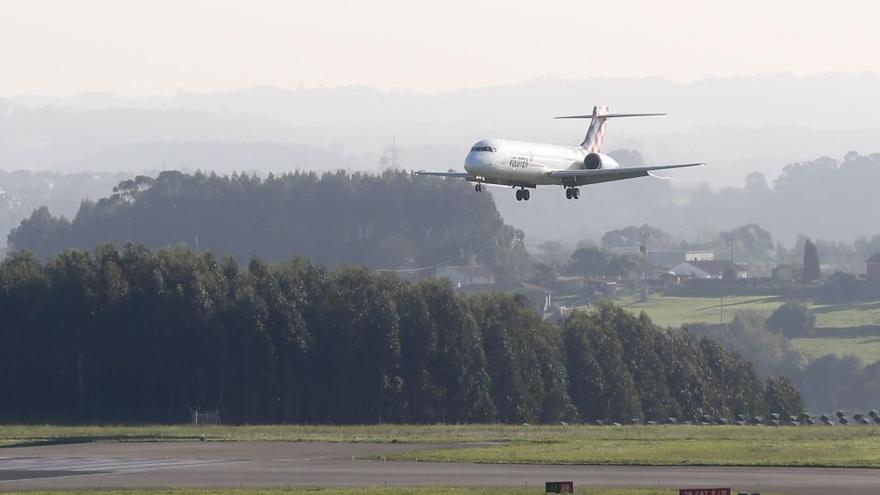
pixel 586 176
pixel 460 175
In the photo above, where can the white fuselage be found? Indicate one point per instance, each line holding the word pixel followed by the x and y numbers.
pixel 523 166
pixel 519 163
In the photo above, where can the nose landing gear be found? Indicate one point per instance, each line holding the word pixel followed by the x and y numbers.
pixel 478 187
pixel 522 194
pixel 572 193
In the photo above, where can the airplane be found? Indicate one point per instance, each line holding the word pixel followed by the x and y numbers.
pixel 523 166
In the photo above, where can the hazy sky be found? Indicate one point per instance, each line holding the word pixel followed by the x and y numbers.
pixel 158 46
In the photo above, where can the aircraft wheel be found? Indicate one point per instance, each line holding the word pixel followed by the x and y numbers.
pixel 526 194
pixel 478 188
pixel 567 193
pixel 575 193
pixel 519 195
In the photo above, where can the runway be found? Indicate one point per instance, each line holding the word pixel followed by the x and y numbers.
pixel 265 464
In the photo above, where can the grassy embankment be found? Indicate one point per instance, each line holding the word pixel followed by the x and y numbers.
pixel 854 446
pixel 842 329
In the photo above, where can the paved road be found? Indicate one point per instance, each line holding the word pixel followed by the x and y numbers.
pixel 263 464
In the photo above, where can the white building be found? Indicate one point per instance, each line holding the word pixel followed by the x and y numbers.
pixel 462 276
pixel 661 258
pixel 710 269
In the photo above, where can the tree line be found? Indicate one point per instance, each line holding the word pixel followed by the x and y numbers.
pixel 826 384
pixel 130 334
pixel 22 191
pixel 776 203
pixel 394 220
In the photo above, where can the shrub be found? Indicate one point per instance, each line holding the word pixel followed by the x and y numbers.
pixel 792 319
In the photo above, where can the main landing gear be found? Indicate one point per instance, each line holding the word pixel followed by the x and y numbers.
pixel 572 193
pixel 522 194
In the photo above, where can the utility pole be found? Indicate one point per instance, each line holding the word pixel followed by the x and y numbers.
pixel 644 249
pixel 730 245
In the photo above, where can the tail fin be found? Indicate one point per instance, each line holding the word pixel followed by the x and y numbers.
pixel 596 132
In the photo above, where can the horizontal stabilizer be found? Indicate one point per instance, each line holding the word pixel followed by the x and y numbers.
pixel 610 115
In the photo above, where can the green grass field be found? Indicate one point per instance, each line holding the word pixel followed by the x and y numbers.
pixel 866 348
pixel 830 320
pixel 847 315
pixel 12 435
pixel 681 445
pixel 855 446
pixel 677 311
pixel 366 491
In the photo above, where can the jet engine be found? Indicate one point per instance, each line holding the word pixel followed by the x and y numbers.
pixel 596 161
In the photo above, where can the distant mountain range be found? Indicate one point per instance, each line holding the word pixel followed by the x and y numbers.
pixel 739 124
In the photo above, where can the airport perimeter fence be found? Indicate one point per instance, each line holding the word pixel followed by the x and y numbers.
pixel 805 419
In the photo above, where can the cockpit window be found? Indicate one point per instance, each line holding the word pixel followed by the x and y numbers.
pixel 483 148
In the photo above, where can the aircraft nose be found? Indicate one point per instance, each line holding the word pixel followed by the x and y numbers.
pixel 477 162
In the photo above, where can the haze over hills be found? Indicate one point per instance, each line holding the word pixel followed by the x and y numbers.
pixel 739 124
pixel 823 199
pixel 66 138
